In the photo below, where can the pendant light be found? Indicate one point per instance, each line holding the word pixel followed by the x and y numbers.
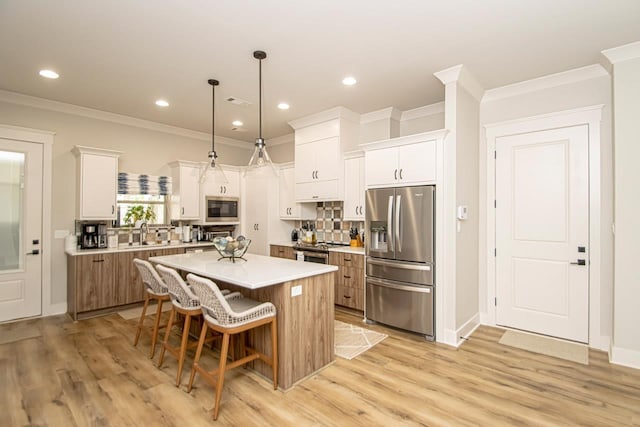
pixel 211 168
pixel 260 157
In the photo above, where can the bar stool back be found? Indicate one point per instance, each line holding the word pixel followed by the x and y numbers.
pixel 229 316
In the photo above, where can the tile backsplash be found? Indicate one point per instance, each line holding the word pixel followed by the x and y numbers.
pixel 329 225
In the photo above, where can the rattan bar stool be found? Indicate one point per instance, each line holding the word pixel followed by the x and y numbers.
pixel 229 316
pixel 183 302
pixel 156 290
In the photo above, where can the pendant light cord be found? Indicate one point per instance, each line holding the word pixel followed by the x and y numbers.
pixel 213 83
pixel 260 97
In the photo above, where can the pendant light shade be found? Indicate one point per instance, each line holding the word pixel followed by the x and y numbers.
pixel 212 169
pixel 260 157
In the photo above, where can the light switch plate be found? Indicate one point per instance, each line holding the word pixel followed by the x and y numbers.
pixel 296 290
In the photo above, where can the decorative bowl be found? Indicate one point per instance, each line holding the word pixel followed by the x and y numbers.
pixel 231 248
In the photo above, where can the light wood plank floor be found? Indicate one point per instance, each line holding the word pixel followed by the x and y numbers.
pixel 88 373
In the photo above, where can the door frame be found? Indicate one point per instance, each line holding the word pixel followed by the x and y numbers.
pixel 46 139
pixel 590 116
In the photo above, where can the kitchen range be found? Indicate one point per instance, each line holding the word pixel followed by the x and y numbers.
pixel 400 258
pixel 315 252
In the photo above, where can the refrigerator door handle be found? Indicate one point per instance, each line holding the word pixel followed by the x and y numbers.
pixel 397 265
pixel 397 226
pixel 393 285
pixel 390 222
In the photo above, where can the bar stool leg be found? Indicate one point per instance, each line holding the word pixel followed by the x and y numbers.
pixel 183 347
pixel 203 337
pixel 156 326
pixel 166 336
pixel 221 371
pixel 141 321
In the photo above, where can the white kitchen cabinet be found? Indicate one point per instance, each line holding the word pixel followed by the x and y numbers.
pixel 185 197
pixel 289 208
pixel 231 188
pixel 96 183
pixel 319 142
pixel 407 164
pixel 354 188
pixel 260 219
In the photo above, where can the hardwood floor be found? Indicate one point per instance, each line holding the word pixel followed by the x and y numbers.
pixel 88 373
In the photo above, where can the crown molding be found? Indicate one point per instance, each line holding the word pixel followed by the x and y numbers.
pixel 76 110
pixel 404 140
pixel 545 82
pixel 323 116
pixel 279 140
pixel 81 149
pixel 623 53
pixel 384 114
pixel 425 111
pixel 461 74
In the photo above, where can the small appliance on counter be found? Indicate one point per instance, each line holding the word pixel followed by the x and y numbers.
pixel 93 235
pixel 294 235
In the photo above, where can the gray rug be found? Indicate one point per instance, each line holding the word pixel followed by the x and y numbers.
pixel 352 340
pixel 548 346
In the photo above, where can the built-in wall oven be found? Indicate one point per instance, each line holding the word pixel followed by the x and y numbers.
pixel 318 253
pixel 222 209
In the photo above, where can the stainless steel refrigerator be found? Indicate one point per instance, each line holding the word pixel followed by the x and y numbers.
pixel 400 243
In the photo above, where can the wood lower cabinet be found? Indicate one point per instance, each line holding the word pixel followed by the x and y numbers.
pixel 281 251
pixel 102 281
pixel 349 279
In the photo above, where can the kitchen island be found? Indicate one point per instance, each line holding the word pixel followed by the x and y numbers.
pixel 302 292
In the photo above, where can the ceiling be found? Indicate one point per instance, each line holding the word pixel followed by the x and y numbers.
pixel 121 55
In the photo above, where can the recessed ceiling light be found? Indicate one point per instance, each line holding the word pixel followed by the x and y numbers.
pixel 236 123
pixel 283 106
pixel 162 103
pixel 349 81
pixel 50 74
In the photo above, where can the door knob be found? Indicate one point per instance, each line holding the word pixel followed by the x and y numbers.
pixel 34 252
pixel 579 262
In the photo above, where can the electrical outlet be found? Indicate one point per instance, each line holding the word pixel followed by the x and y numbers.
pixel 296 290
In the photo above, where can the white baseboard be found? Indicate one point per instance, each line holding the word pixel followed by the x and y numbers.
pixel 54 309
pixel 625 357
pixel 603 343
pixel 485 319
pixel 457 337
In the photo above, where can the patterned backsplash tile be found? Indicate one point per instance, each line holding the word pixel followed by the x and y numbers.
pixel 329 225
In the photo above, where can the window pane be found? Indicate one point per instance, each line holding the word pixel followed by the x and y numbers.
pixel 158 209
pixel 11 173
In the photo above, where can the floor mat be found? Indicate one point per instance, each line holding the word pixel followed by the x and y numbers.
pixel 351 340
pixel 134 313
pixel 554 347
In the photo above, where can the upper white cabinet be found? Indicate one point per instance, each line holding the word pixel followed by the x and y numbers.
pixel 96 183
pixel 354 188
pixel 289 208
pixel 319 142
pixel 403 161
pixel 185 197
pixel 231 188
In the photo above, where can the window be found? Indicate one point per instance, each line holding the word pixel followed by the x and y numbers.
pixel 157 203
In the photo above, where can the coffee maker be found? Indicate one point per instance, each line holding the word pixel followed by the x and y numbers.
pixel 94 235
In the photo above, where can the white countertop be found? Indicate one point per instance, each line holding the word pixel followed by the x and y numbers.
pixel 256 272
pixel 127 248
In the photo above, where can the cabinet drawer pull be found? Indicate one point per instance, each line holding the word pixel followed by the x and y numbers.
pixel 400 173
pixel 98 260
pixel 113 209
pixel 347 296
pixel 347 277
pixel 395 174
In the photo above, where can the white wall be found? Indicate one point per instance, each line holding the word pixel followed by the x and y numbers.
pixel 467 118
pixel 541 100
pixel 626 322
pixel 144 150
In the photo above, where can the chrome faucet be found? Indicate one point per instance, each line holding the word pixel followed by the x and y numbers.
pixel 143 234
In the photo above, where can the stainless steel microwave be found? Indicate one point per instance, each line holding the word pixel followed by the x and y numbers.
pixel 222 209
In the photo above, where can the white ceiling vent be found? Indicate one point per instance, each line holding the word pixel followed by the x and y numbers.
pixel 238 101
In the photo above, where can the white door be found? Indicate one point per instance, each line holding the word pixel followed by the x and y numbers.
pixel 542 230
pixel 20 229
